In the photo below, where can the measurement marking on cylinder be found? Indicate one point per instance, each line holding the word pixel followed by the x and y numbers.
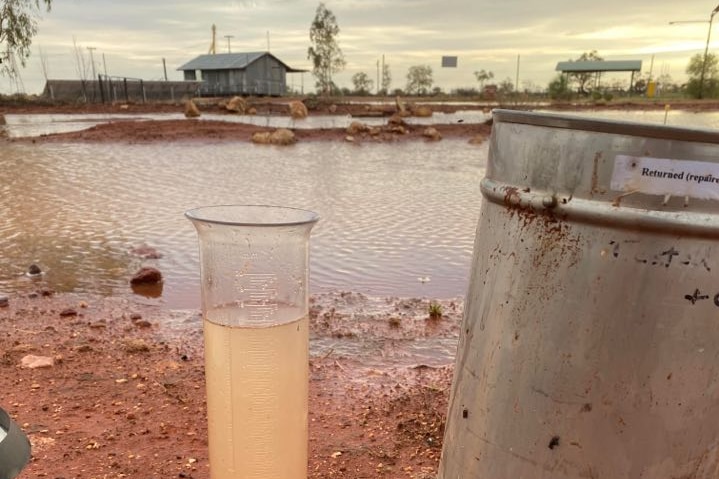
pixel 260 289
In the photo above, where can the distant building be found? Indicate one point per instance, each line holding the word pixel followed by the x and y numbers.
pixel 224 74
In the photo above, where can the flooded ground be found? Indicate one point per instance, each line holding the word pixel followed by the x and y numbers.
pixel 397 220
pixel 390 214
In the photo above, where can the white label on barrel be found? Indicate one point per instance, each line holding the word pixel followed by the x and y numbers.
pixel 661 176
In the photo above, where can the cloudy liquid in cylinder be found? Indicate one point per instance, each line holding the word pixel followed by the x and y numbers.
pixel 257 393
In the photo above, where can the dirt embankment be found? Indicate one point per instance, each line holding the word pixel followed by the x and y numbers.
pixel 132 130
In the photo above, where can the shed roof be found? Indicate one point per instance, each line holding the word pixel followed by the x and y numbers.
pixel 600 66
pixel 230 61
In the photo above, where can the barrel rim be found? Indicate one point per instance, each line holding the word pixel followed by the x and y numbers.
pixel 626 128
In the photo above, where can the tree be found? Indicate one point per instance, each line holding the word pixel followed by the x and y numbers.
pixel 582 78
pixel 708 70
pixel 419 80
pixel 482 76
pixel 362 83
pixel 18 24
pixel 325 53
pixel 559 88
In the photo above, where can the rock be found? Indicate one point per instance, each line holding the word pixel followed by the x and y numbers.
pixel 136 346
pixel 146 252
pixel 261 137
pixel 422 111
pixel 281 136
pixel 191 110
pixel 252 111
pixel 298 110
pixel 357 127
pixel 147 275
pixel 476 140
pixel 237 105
pixel 33 362
pixel 68 312
pixel 34 270
pixel 396 120
pixel 4 301
pixel 135 316
pixel 349 139
pixel 432 134
pixel 333 108
pixel 401 108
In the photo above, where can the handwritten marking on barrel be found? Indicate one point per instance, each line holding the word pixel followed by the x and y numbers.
pixel 697 296
pixel 663 258
pixel 670 253
pixel 554 442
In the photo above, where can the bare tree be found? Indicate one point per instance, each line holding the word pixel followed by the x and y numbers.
pixel 82 66
pixel 43 63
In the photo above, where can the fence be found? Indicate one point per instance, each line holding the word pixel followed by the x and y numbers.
pixel 109 89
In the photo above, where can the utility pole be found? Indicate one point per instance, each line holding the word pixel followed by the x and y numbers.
pixel 706 47
pixel 378 86
pixel 383 74
pixel 706 52
pixel 92 60
pixel 516 78
pixel 164 67
pixel 104 65
pixel 229 50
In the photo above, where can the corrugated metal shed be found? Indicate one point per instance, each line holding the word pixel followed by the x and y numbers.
pixel 600 66
pixel 230 61
pixel 250 73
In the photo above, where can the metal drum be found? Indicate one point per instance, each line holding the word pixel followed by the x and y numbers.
pixel 590 340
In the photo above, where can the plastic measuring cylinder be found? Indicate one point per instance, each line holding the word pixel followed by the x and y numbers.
pixel 254 268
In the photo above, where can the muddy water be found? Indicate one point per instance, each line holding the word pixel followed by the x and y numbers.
pixel 391 214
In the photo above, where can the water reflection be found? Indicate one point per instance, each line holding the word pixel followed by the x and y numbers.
pixel 390 213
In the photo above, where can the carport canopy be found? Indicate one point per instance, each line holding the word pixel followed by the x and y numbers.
pixel 602 66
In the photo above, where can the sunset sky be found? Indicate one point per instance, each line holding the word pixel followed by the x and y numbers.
pixel 134 36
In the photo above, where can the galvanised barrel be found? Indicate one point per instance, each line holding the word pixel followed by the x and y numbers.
pixel 590 339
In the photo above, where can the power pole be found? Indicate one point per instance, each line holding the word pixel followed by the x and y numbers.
pixel 378 76
pixel 229 50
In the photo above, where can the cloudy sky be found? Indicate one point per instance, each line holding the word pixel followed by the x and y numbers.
pixel 132 37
